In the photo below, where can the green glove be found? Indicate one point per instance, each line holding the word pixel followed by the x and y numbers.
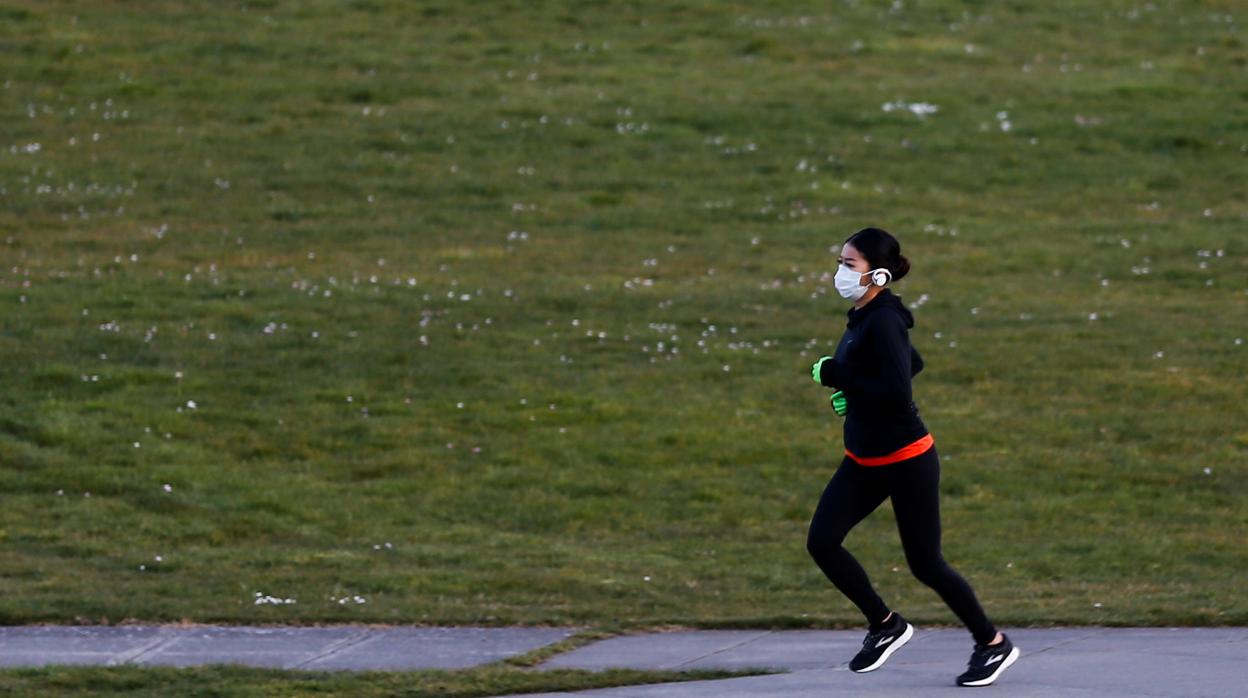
pixel 816 367
pixel 839 404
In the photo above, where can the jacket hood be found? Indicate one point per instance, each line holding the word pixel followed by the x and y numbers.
pixel 886 299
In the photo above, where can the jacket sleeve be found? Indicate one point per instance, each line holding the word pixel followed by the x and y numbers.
pixel 827 374
pixel 891 388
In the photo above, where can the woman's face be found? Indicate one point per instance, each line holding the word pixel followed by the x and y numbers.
pixel 851 258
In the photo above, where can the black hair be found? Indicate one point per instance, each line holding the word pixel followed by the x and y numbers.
pixel 881 249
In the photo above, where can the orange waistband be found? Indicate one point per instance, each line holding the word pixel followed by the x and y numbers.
pixel 917 448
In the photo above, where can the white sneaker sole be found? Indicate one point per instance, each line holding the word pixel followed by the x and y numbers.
pixel 1013 657
pixel 905 637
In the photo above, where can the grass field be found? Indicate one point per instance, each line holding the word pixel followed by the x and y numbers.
pixel 499 313
pixel 239 681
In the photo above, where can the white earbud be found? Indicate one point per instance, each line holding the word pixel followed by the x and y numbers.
pixel 879 277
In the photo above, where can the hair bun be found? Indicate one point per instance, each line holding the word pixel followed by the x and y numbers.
pixel 880 249
pixel 903 268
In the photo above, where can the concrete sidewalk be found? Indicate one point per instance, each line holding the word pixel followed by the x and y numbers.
pixel 1082 662
pixel 356 648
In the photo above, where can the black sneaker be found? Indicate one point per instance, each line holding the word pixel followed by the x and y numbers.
pixel 987 663
pixel 880 644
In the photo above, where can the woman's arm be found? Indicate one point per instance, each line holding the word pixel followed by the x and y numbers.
pixel 891 389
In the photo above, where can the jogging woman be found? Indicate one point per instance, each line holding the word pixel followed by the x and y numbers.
pixel 888 454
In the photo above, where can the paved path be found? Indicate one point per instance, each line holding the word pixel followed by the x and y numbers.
pixel 1078 662
pixel 334 647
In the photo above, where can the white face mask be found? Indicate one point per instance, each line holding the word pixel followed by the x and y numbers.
pixel 849 283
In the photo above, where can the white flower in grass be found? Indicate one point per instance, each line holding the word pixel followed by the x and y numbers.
pixel 262 599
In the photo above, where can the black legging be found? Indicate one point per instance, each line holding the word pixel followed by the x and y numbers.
pixel 854 492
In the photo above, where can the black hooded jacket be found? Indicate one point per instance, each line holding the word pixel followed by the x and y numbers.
pixel 873 365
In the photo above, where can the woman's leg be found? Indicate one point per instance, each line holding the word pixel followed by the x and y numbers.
pixel 916 503
pixel 852 494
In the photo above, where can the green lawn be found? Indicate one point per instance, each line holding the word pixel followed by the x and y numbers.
pixel 502 313
pixel 237 682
